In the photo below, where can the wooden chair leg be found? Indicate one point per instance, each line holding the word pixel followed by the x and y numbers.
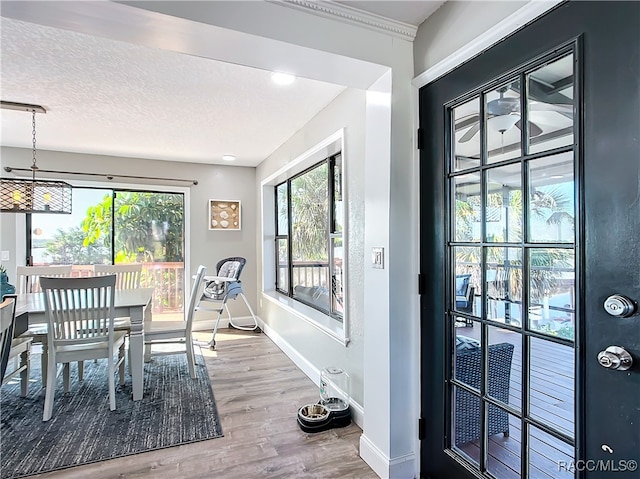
pixel 25 361
pixel 44 362
pixel 190 356
pixel 112 383
pixel 50 390
pixel 121 369
pixel 80 370
pixel 66 377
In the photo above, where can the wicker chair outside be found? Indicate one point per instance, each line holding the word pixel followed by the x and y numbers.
pixel 467 405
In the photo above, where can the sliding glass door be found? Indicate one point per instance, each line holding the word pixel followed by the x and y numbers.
pixel 110 226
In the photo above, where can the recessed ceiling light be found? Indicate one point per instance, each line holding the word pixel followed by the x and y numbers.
pixel 282 78
pixel 556 177
pixel 228 158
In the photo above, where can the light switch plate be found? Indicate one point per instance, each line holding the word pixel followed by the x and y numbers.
pixel 377 257
pixel 4 256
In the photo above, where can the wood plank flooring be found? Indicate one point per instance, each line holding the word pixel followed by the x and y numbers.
pixel 258 391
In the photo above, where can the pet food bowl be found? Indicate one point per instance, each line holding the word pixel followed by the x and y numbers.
pixel 313 414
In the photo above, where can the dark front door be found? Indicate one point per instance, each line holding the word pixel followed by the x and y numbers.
pixel 530 222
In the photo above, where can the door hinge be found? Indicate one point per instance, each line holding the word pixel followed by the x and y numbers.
pixel 421 428
pixel 420 284
pixel 420 138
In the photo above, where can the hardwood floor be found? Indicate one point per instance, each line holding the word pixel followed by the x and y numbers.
pixel 258 391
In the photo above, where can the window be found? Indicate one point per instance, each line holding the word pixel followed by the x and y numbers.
pixel 309 252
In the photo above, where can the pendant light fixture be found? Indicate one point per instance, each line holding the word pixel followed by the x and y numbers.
pixel 19 195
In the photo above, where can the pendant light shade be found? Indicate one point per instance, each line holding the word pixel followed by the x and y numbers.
pixel 34 196
pixel 19 195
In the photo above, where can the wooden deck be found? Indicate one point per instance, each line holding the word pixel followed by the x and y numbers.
pixel 551 402
pixel 258 391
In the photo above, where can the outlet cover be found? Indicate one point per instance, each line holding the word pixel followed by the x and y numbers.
pixel 377 257
pixel 4 256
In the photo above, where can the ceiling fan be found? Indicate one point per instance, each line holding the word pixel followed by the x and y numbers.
pixel 503 113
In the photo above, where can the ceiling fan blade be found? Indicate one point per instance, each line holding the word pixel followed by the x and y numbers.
pixel 558 107
pixel 534 130
pixel 471 132
pixel 465 122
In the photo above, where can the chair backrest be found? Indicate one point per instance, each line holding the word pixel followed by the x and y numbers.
pixel 79 310
pixel 230 267
pixel 193 298
pixel 127 275
pixel 29 276
pixel 7 315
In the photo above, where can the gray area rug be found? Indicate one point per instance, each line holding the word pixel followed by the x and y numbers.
pixel 175 410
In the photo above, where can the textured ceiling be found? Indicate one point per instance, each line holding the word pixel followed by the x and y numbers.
pixel 114 98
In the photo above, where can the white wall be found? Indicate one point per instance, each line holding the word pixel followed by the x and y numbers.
pixel 454 25
pixel 346 111
pixel 214 181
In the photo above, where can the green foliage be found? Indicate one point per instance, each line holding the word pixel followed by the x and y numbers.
pixel 149 226
pixel 67 247
pixel 310 214
pixel 566 331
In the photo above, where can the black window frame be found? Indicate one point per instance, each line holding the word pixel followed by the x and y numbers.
pixel 332 232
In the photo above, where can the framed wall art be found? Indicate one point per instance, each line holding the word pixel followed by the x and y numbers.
pixel 224 215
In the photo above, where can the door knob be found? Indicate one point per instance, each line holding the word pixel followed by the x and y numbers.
pixel 616 358
pixel 620 306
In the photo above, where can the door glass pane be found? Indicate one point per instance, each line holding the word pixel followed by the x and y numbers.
pixel 504 382
pixel 467 279
pixel 503 211
pixel 466 423
pixel 504 285
pixel 550 105
pixel 466 135
pixel 550 458
pixel 502 111
pixel 552 291
pixel 149 229
pixel 551 384
pixel 467 355
pixel 82 238
pixel 503 458
pixel 551 206
pixel 466 194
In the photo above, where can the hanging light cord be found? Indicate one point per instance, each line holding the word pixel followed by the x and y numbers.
pixel 33 125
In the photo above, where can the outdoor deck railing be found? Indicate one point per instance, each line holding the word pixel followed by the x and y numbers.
pixel 166 278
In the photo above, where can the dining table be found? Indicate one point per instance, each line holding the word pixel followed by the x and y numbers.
pixel 132 303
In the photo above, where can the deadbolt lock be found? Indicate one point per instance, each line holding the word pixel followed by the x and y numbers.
pixel 620 306
pixel 616 358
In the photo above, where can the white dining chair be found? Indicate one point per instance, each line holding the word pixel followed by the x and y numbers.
pixel 172 332
pixel 15 352
pixel 128 275
pixel 29 282
pixel 29 276
pixel 80 317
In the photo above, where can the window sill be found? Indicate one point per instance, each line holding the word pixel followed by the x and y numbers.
pixel 320 321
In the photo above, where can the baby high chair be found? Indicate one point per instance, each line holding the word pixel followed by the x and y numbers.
pixel 219 289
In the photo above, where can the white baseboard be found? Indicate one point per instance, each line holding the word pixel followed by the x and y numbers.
pixel 312 372
pixel 402 467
